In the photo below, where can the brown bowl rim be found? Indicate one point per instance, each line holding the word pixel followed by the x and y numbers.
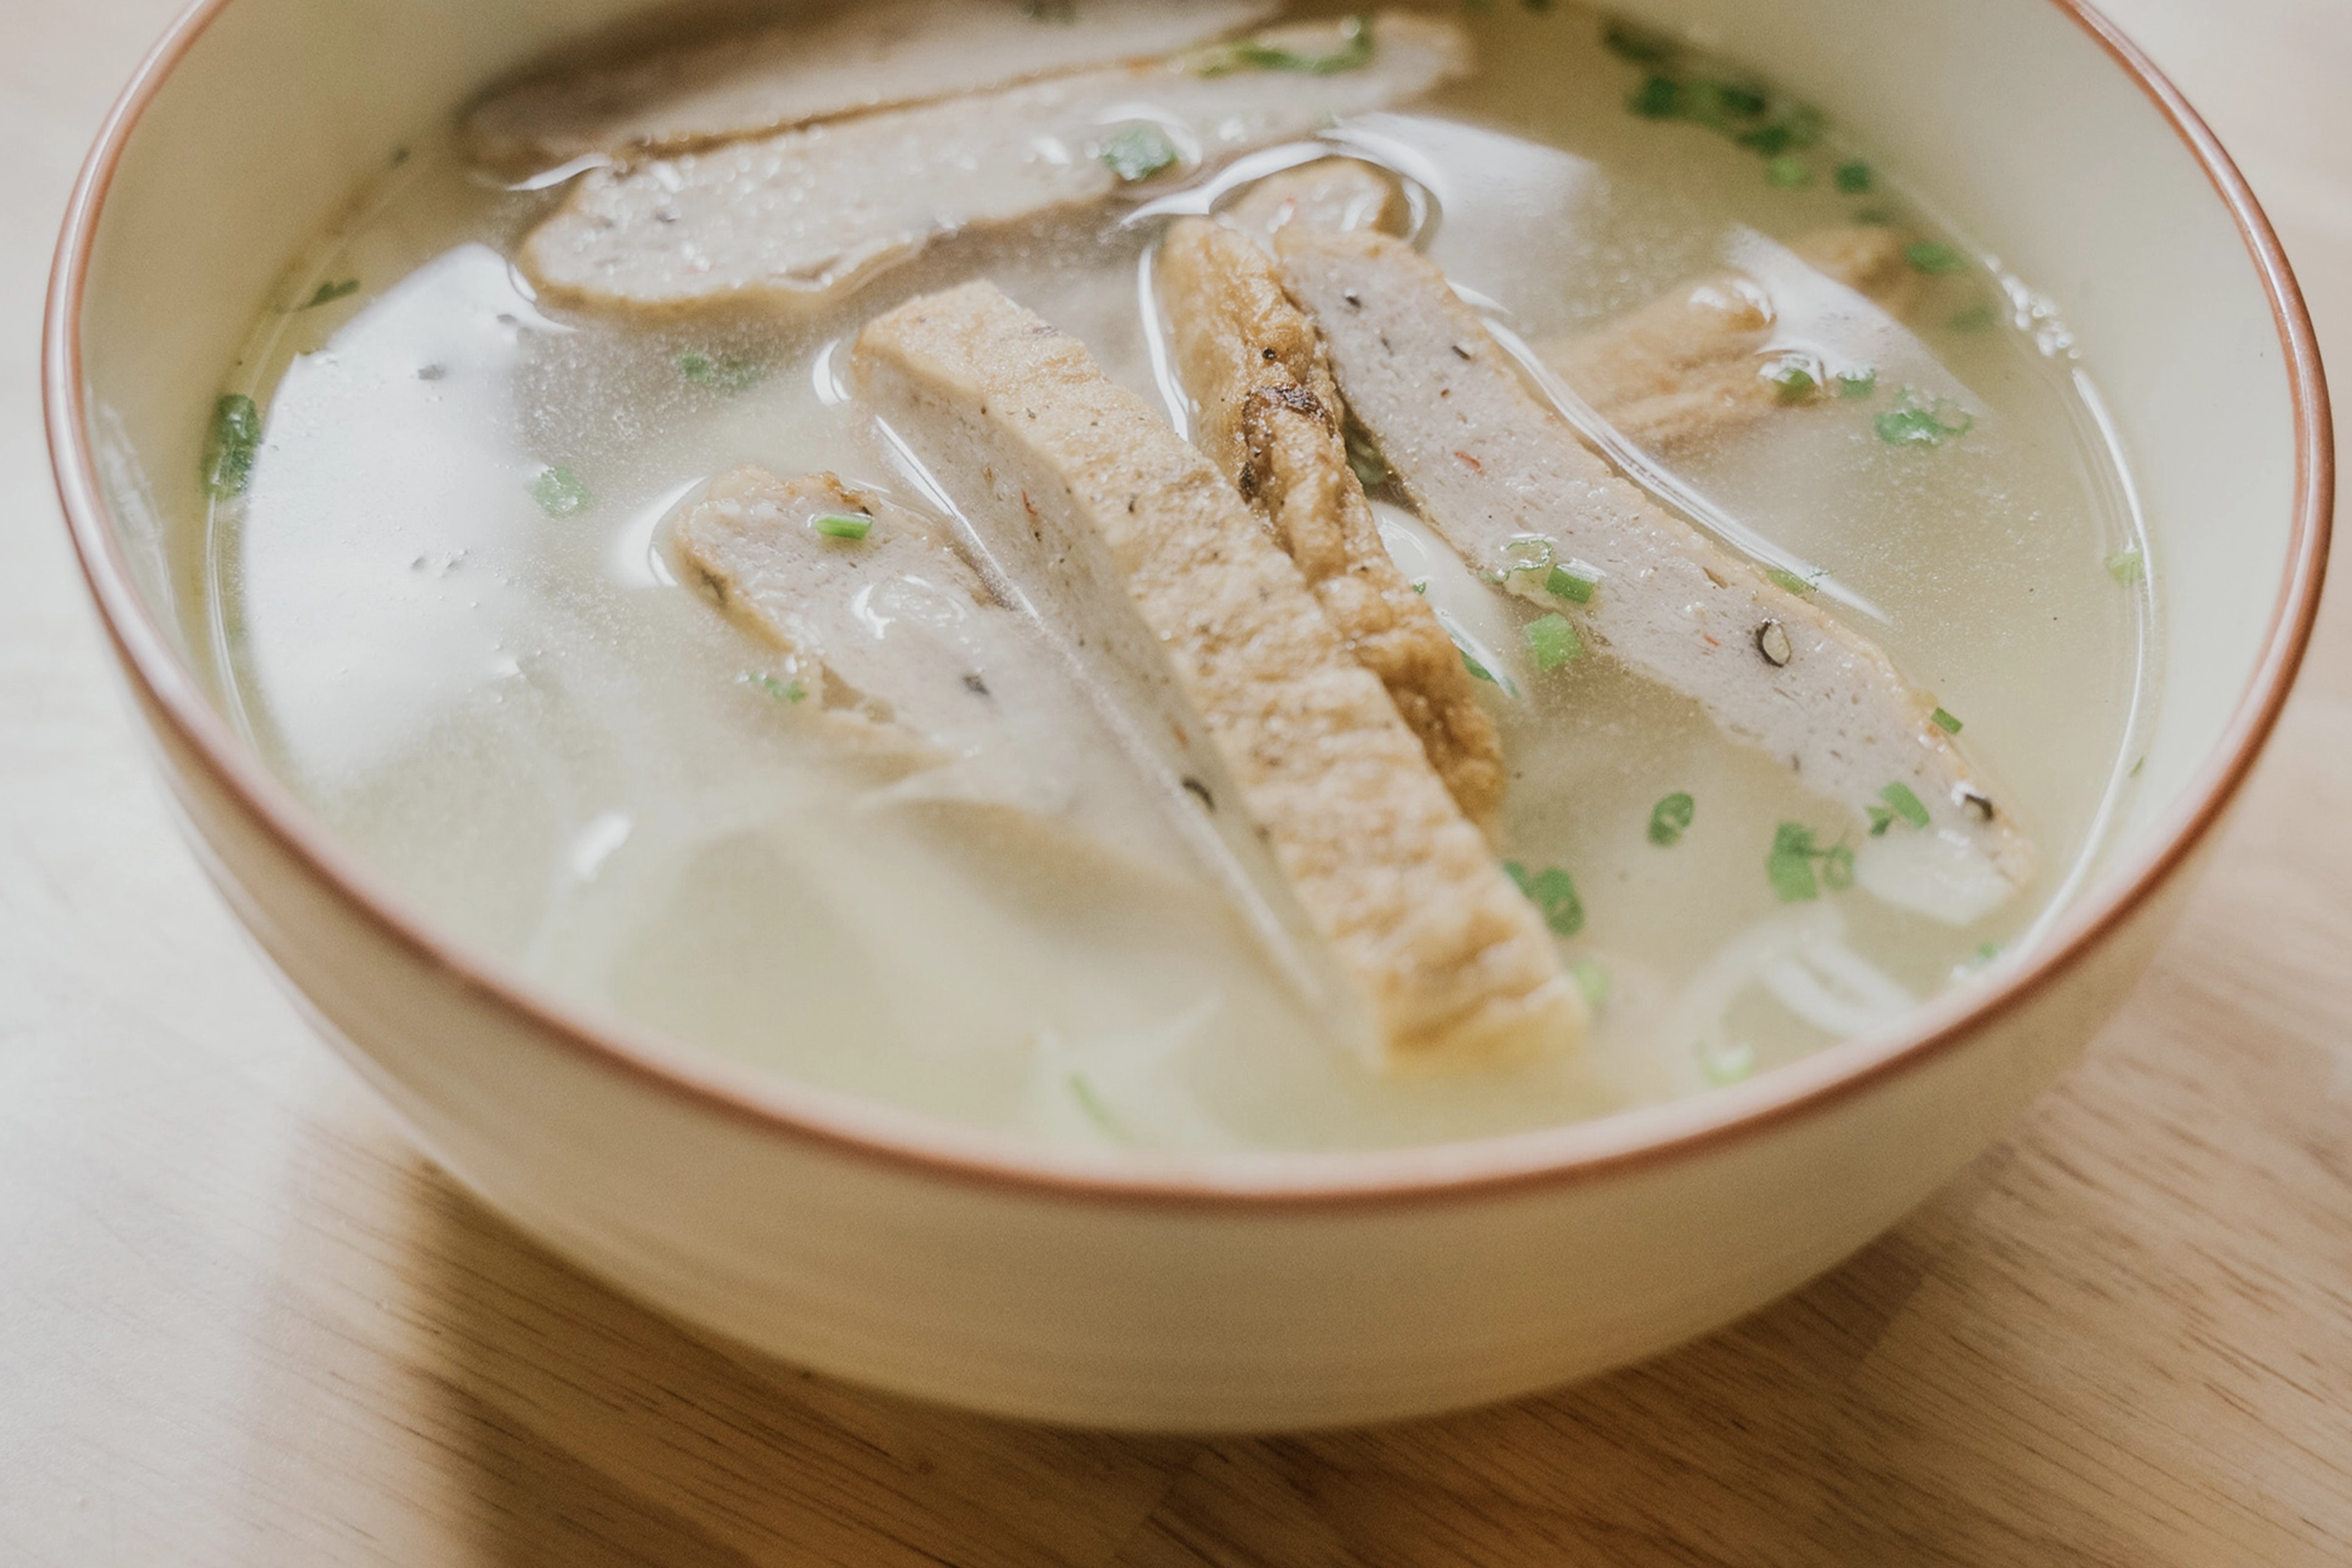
pixel 913 1144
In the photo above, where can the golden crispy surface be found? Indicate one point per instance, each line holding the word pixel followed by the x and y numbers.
pixel 1269 418
pixel 1457 965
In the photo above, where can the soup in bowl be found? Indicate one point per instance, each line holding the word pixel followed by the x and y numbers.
pixel 1191 716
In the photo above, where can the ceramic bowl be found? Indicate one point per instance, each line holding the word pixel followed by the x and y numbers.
pixel 1240 1293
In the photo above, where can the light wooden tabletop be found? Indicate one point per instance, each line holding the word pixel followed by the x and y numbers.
pixel 241 1324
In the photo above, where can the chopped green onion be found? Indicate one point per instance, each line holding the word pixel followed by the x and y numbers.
pixel 1420 586
pixel 1565 584
pixel 1715 104
pixel 1553 892
pixel 1671 818
pixel 1593 978
pixel 1794 381
pixel 1857 383
pixel 1355 52
pixel 1097 1111
pixel 1935 256
pixel 1803 123
pixel 1529 555
pixel 1790 866
pixel 1788 172
pixel 1638 45
pixel 1477 671
pixel 1727 1065
pixel 1944 720
pixel 560 492
pixel 2136 766
pixel 1987 952
pixel 1975 319
pixel 1658 98
pixel 329 292
pixel 1365 460
pixel 1915 422
pixel 723 372
pixel 1139 152
pixel 2127 567
pixel 1782 577
pixel 1904 804
pixel 782 690
pixel 843 525
pixel 1553 641
pixel 1881 819
pixel 230 445
pixel 1853 176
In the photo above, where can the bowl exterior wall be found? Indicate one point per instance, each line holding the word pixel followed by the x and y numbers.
pixel 1114 1311
pixel 1031 1300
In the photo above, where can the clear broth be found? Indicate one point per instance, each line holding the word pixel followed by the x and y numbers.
pixel 569 759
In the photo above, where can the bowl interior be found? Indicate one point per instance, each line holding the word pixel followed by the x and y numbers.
pixel 2010 115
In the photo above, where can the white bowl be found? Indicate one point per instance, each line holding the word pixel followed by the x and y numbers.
pixel 1239 1293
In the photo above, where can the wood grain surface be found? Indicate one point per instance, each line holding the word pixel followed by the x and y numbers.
pixel 242 1324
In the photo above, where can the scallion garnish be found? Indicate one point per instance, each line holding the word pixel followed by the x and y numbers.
pixel 2127 567
pixel 1917 421
pixel 1553 641
pixel 1097 1111
pixel 1977 318
pixel 1477 671
pixel 1531 554
pixel 1944 720
pixel 722 373
pixel 1987 952
pixel 1904 804
pixel 230 445
pixel 1364 459
pixel 782 690
pixel 1853 176
pixel 1138 152
pixel 1935 256
pixel 1793 378
pixel 560 492
pixel 1782 577
pixel 1788 172
pixel 1553 892
pixel 1593 978
pixel 1639 45
pixel 1658 98
pixel 1791 865
pixel 843 525
pixel 1565 584
pixel 1859 382
pixel 329 292
pixel 1355 52
pixel 1671 818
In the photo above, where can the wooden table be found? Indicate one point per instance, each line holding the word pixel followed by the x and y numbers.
pixel 241 1324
